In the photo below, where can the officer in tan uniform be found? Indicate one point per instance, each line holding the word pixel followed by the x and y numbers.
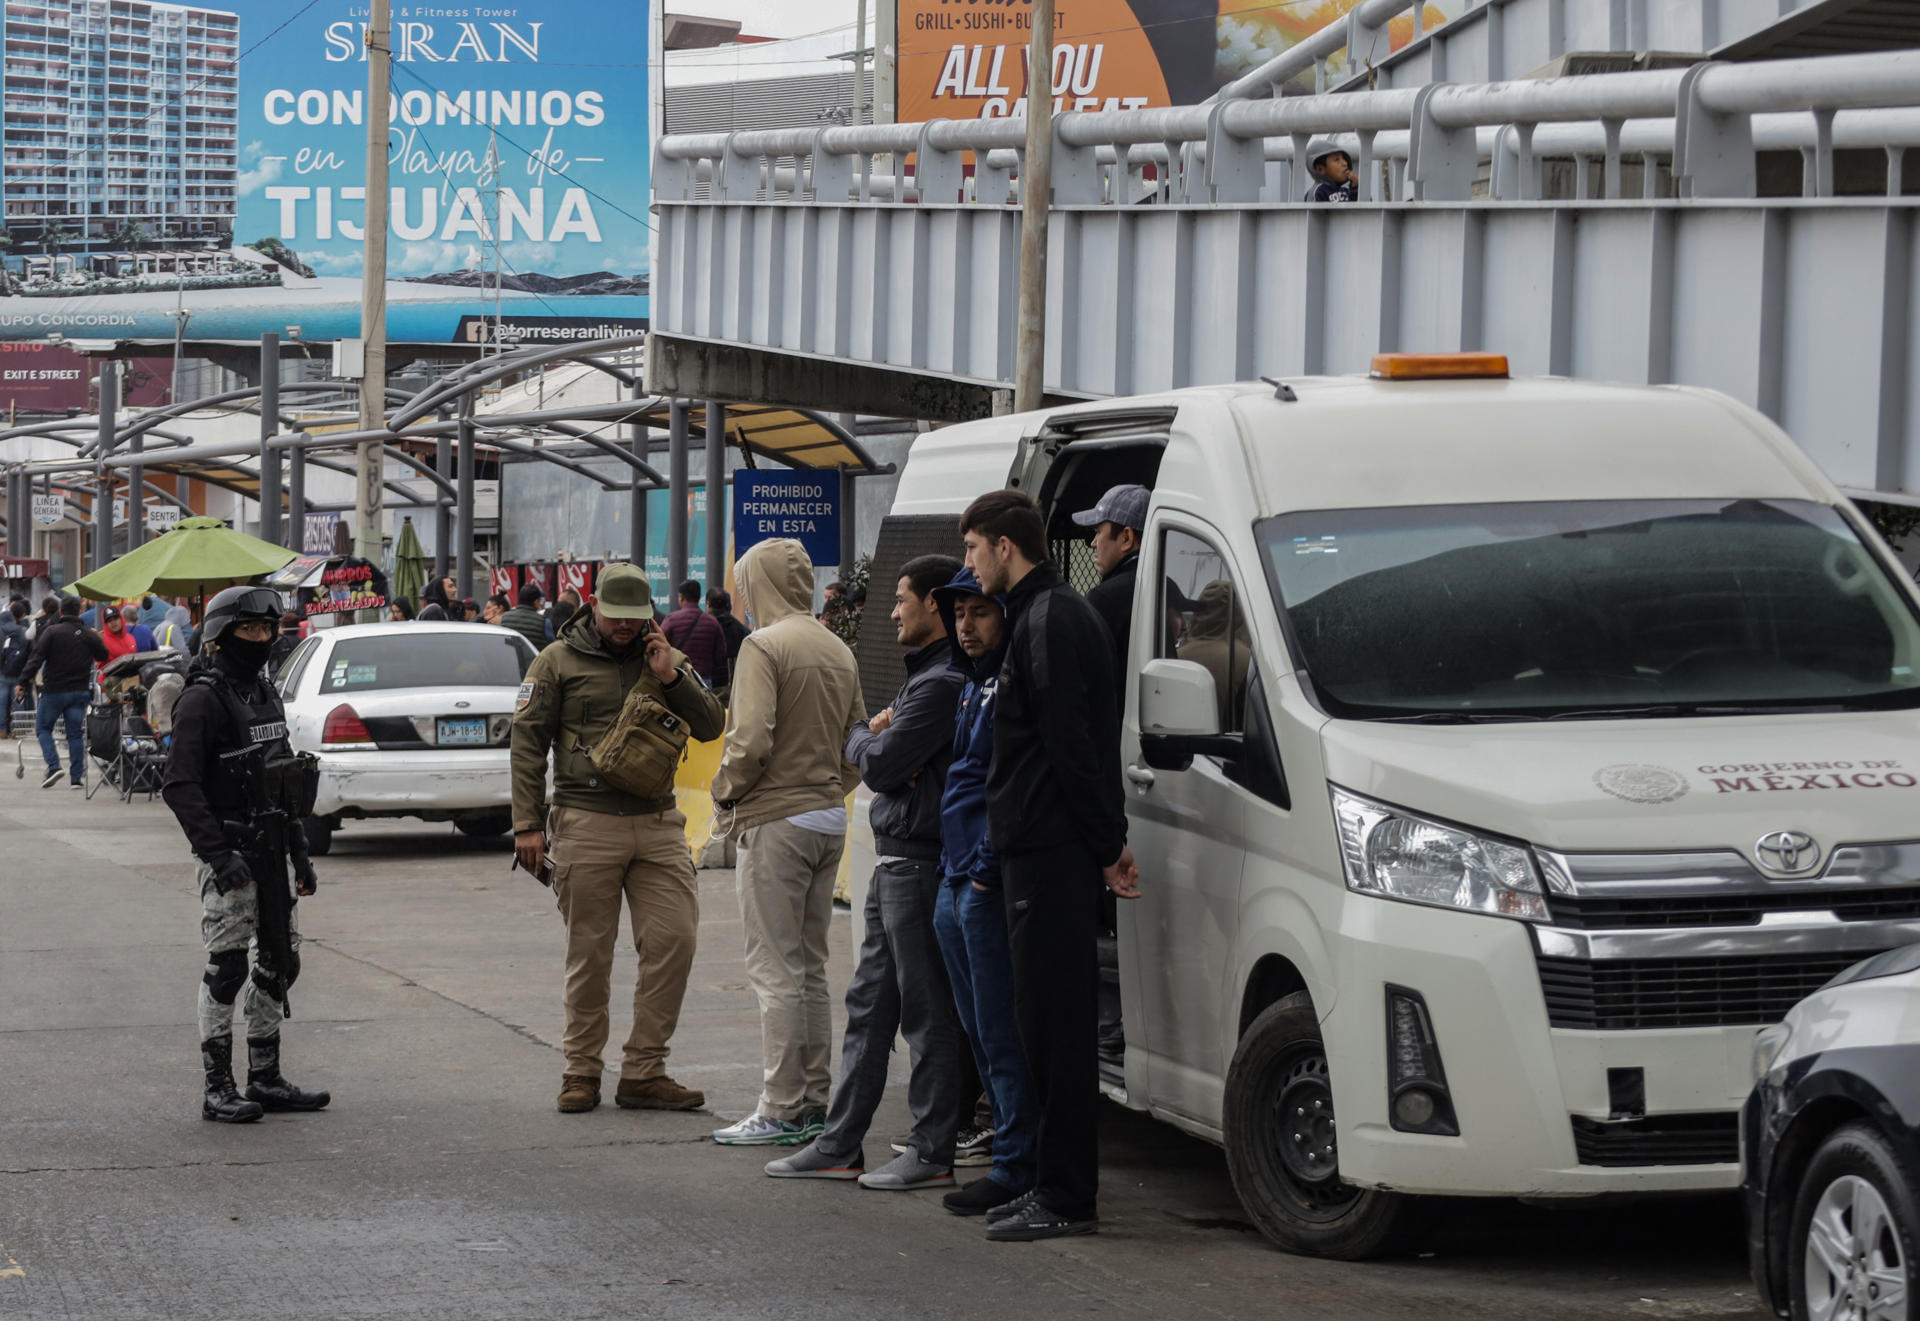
pixel 603 842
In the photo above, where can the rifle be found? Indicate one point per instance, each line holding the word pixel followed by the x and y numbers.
pixel 279 792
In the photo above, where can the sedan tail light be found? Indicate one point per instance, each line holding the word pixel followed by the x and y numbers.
pixel 344 726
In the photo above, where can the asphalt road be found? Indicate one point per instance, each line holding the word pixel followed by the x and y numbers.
pixel 442 1183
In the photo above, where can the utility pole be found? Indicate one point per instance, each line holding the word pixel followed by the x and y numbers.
pixel 370 493
pixel 1036 195
pixel 860 65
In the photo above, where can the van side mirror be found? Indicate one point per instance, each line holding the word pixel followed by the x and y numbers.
pixel 1178 697
pixel 1180 716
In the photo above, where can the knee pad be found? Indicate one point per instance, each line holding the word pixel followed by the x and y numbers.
pixel 226 971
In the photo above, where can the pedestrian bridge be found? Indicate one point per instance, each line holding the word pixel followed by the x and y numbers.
pixel 1744 226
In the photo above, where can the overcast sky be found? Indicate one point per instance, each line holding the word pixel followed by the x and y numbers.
pixel 775 18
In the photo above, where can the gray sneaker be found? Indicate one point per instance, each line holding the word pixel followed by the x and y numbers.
pixel 812 1163
pixel 907 1172
pixel 758 1130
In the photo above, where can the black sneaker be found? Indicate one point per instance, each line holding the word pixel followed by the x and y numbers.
pixel 978 1197
pixel 53 777
pixel 1036 1222
pixel 1012 1208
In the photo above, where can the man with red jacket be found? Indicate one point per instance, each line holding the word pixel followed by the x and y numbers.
pixel 699 635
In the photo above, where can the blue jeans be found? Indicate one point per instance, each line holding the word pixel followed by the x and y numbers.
pixel 971 926
pixel 73 708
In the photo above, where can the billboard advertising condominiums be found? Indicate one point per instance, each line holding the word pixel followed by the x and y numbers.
pixel 172 164
pixel 967 59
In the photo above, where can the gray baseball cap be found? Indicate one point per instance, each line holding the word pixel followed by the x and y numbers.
pixel 1125 505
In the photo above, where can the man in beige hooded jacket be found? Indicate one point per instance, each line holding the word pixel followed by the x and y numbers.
pixel 783 785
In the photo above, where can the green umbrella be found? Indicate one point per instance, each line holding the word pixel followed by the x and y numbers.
pixel 409 564
pixel 198 556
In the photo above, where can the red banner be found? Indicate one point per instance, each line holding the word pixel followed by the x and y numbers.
pixel 541 576
pixel 504 578
pixel 579 577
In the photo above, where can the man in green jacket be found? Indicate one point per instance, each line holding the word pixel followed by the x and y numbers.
pixel 603 843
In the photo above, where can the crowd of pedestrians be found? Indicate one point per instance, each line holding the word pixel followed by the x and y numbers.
pixel 999 832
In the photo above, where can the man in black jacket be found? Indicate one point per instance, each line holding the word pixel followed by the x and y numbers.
pixel 1118 523
pixel 901 984
pixel 64 654
pixel 1058 823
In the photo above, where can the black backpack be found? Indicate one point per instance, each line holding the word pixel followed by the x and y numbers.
pixel 13 651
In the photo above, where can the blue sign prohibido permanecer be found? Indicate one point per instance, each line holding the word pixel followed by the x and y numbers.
pixel 788 502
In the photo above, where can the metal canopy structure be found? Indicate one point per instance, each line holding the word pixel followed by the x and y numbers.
pixel 446 414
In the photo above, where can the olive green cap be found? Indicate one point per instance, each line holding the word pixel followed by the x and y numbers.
pixel 623 592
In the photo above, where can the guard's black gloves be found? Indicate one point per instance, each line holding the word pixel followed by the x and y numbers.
pixel 304 880
pixel 230 873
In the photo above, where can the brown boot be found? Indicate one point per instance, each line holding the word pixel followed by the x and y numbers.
pixel 578 1093
pixel 661 1093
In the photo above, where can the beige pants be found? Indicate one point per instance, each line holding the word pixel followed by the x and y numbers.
pixel 786 877
pixel 597 858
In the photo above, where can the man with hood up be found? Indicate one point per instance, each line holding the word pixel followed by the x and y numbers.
pixel 781 790
pixel 1334 178
pixel 971 920
pixel 900 986
pixel 604 842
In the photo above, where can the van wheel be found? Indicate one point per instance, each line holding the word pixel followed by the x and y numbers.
pixel 319 830
pixel 485 827
pixel 1281 1148
pixel 1852 1249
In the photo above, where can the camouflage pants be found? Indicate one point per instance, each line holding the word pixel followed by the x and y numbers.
pixel 228 924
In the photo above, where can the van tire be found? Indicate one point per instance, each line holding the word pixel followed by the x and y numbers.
pixel 1278 1175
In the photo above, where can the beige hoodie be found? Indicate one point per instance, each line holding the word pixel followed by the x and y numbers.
pixel 796 693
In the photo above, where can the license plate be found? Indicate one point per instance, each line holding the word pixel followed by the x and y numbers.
pixel 463 731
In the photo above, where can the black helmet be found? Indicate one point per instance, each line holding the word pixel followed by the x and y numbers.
pixel 236 604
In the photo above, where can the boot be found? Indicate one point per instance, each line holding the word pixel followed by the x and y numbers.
pixel 265 1085
pixel 223 1103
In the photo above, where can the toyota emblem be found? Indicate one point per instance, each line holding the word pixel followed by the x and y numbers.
pixel 1788 852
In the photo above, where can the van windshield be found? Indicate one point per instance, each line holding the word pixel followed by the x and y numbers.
pixel 1591 609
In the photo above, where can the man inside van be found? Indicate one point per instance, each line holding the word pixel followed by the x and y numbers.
pixel 1057 820
pixel 1118 523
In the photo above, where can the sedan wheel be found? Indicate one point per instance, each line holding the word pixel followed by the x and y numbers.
pixel 1851 1253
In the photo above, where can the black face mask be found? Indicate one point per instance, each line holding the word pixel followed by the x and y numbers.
pixel 245 656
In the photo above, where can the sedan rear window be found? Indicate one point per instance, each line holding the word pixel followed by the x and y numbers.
pixel 426 660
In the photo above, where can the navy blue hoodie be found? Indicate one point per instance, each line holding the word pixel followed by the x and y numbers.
pixel 966 850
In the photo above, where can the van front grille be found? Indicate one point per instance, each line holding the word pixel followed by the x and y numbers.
pixel 1621 995
pixel 1602 913
pixel 1702 1139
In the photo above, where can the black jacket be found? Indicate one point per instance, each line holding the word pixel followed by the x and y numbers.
pixel 64 656
pixel 1055 777
pixel 200 793
pixel 1112 597
pixel 528 623
pixel 736 634
pixel 917 747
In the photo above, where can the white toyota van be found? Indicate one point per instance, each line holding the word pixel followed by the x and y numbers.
pixel 1500 755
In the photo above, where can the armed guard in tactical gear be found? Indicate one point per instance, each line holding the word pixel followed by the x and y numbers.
pixel 240 793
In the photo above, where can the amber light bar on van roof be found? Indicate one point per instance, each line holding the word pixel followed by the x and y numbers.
pixel 1437 366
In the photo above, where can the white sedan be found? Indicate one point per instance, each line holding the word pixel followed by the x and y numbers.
pixel 408 720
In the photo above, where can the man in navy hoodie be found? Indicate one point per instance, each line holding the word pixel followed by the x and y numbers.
pixel 971 919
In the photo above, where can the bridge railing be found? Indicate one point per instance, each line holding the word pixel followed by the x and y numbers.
pixel 1709 121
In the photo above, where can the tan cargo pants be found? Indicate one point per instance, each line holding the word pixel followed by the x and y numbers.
pixel 597 858
pixel 786 875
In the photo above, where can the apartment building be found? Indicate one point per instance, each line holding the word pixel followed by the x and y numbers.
pixel 119 124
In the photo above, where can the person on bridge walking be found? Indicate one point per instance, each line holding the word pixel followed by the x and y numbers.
pixel 1331 169
pixel 240 795
pixel 526 619
pixel 781 790
pixel 63 656
pixel 900 985
pixel 613 704
pixel 698 634
pixel 1057 819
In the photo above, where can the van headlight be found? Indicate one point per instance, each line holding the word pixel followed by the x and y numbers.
pixel 1387 852
pixel 1768 1045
